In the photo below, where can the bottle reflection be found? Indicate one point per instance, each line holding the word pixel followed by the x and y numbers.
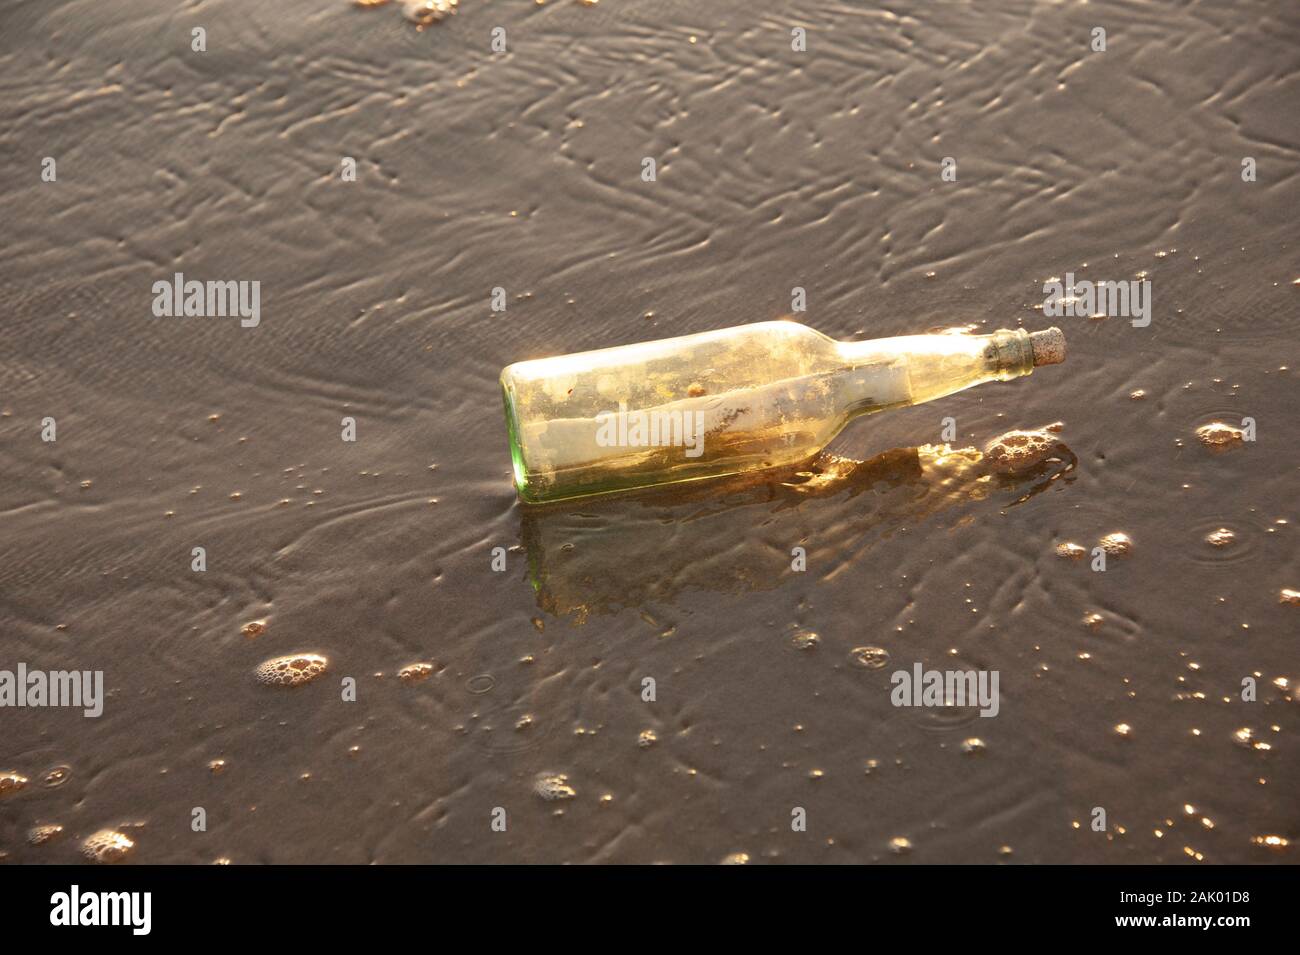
pixel 739 535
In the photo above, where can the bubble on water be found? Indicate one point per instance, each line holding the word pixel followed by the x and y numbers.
pixel 1217 434
pixel 553 787
pixel 870 658
pixel 39 835
pixel 647 739
pixel 1123 729
pixel 1116 544
pixel 217 767
pixel 254 628
pixel 900 845
pixel 804 640
pixel 1020 450
pixel 735 858
pixel 11 783
pixel 1138 395
pixel 480 684
pixel 415 672
pixel 1271 842
pixel 424 12
pixel 1222 537
pixel 972 745
pixel 1245 738
pixel 56 777
pixel 1071 550
pixel 1093 620
pixel 1289 596
pixel 107 845
pixel 292 670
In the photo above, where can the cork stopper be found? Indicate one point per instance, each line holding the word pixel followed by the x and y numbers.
pixel 1048 346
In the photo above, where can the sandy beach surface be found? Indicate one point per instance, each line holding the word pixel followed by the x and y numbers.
pixel 521 170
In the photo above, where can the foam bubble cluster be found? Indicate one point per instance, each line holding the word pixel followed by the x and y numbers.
pixel 1020 450
pixel 11 783
pixel 39 835
pixel 107 845
pixel 424 12
pixel 553 787
pixel 292 670
pixel 415 672
pixel 805 640
pixel 1220 538
pixel 1216 434
pixel 1116 544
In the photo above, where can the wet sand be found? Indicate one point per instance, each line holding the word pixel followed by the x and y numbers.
pixel 521 170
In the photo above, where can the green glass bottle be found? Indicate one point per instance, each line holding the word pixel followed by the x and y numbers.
pixel 729 401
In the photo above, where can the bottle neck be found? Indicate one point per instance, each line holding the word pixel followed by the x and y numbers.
pixel 911 369
pixel 1012 356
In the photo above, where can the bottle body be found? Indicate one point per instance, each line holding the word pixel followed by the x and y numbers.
pixel 724 402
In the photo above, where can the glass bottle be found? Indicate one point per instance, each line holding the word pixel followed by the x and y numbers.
pixel 729 401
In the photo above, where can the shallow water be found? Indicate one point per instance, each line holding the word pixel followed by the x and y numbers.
pixel 522 170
